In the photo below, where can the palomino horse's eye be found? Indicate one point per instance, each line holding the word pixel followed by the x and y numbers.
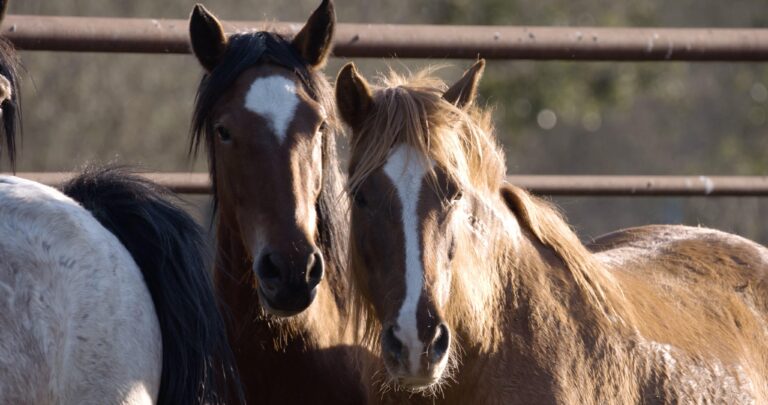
pixel 223 134
pixel 456 197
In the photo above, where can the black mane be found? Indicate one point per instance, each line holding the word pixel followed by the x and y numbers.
pixel 246 50
pixel 11 115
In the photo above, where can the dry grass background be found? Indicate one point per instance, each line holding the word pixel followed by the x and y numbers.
pixel 672 118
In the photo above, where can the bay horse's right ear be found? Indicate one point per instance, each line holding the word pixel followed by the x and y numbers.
pixel 206 36
pixel 353 96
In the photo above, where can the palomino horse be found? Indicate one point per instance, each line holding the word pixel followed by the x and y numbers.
pixel 476 292
pixel 267 118
pixel 104 292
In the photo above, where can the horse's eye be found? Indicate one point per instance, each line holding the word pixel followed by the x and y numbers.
pixel 323 128
pixel 360 201
pixel 457 196
pixel 223 134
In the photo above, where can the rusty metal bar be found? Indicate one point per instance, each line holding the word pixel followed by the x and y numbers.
pixel 183 183
pixel 198 183
pixel 90 34
pixel 644 185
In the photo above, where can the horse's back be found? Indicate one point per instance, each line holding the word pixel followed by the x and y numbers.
pixel 77 324
pixel 699 309
pixel 692 253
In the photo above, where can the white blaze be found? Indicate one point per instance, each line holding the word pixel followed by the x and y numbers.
pixel 275 99
pixel 406 170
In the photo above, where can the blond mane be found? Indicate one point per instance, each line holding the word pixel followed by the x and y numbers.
pixel 410 109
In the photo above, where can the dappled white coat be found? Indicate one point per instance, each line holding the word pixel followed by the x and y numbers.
pixel 77 323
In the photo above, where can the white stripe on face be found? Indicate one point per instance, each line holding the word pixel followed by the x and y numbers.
pixel 275 99
pixel 406 170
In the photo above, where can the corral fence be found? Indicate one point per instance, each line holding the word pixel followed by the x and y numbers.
pixel 88 34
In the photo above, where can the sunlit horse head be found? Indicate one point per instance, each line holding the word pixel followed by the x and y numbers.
pixel 263 111
pixel 408 173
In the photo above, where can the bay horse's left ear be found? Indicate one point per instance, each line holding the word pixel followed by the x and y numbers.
pixel 315 40
pixel 464 91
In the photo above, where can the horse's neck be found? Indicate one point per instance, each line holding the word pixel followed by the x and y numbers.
pixel 247 320
pixel 529 303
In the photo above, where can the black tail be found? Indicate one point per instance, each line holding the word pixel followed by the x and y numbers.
pixel 170 249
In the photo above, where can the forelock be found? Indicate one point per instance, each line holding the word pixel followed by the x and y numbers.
pixel 412 111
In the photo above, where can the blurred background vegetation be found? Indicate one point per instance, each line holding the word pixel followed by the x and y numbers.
pixel 552 117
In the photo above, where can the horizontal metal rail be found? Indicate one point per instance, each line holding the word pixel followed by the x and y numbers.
pixel 198 183
pixel 91 34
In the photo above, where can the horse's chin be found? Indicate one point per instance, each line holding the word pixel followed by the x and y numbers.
pixel 418 384
pixel 271 309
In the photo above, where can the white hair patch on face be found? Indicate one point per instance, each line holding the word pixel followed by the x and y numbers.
pixel 275 99
pixel 406 170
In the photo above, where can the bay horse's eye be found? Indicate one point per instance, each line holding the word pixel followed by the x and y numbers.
pixel 223 133
pixel 360 201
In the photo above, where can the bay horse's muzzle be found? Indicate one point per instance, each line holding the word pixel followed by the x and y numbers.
pixel 288 285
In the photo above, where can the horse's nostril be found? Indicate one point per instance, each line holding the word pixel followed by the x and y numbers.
pixel 440 343
pixel 393 347
pixel 315 269
pixel 269 267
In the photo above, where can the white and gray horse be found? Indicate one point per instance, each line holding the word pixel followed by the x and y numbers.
pixel 105 297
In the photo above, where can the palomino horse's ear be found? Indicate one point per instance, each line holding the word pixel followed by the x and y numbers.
pixel 3 7
pixel 315 40
pixel 353 96
pixel 463 92
pixel 207 37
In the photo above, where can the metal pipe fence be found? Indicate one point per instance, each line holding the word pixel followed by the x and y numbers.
pixel 158 36
pixel 91 34
pixel 556 185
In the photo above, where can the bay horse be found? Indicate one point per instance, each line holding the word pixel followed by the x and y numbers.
pixel 474 291
pixel 267 117
pixel 105 296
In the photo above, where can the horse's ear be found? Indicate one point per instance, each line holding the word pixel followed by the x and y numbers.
pixel 315 40
pixel 353 96
pixel 463 92
pixel 207 37
pixel 3 7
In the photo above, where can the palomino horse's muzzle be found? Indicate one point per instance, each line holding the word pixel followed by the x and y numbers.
pixel 288 284
pixel 423 369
